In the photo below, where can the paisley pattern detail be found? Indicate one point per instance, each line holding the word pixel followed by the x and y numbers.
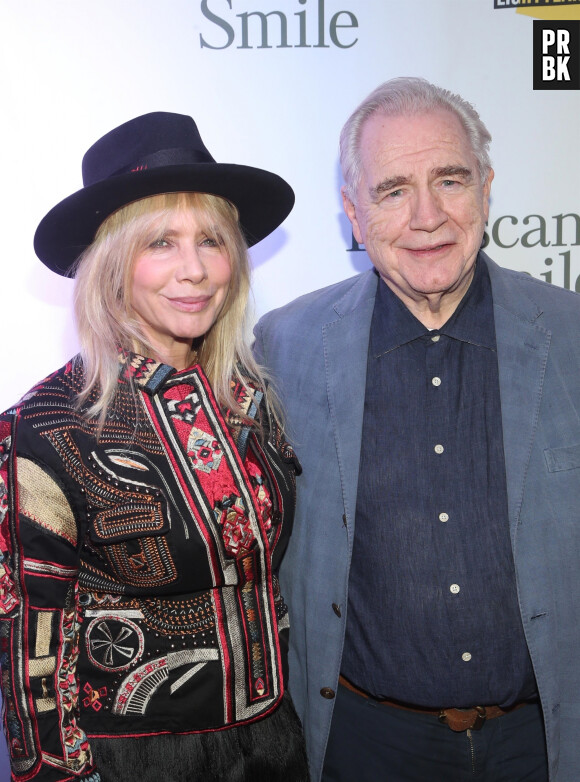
pixel 236 527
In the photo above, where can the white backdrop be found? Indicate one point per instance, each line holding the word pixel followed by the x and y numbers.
pixel 74 69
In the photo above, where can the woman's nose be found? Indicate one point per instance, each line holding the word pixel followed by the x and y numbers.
pixel 191 266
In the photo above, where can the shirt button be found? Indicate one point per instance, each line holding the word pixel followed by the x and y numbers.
pixel 435 338
pixel 439 449
pixel 436 381
pixel 454 588
pixel 327 692
pixel 443 517
pixel 466 657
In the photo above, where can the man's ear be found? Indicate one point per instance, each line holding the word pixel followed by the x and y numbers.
pixel 350 211
pixel 487 191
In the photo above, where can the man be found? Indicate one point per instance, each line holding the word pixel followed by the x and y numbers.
pixel 432 576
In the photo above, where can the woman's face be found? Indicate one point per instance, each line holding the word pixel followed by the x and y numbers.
pixel 180 282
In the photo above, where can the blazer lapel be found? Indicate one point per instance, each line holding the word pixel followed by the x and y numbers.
pixel 346 340
pixel 522 347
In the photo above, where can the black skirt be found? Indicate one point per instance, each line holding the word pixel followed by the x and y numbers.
pixel 269 750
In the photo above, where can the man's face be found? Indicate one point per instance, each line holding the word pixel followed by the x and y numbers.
pixel 420 206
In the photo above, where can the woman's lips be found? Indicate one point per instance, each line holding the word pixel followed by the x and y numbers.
pixel 189 303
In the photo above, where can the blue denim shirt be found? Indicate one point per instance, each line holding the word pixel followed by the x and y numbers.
pixel 433 618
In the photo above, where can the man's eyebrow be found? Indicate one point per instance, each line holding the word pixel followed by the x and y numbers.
pixel 388 184
pixel 392 183
pixel 454 171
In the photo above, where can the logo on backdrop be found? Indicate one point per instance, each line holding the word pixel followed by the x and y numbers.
pixel 553 241
pixel 316 25
pixel 556 55
pixel 532 3
pixel 556 41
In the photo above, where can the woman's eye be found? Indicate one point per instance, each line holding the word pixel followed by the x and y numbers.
pixel 209 241
pixel 159 243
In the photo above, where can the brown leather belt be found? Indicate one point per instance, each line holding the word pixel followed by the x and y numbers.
pixel 456 719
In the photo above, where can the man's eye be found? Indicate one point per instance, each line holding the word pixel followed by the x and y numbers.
pixel 449 182
pixel 395 193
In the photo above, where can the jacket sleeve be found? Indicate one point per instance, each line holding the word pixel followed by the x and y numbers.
pixel 258 347
pixel 39 619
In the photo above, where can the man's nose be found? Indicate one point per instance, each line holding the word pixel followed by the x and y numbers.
pixel 427 211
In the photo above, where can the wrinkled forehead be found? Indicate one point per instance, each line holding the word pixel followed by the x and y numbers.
pixel 428 134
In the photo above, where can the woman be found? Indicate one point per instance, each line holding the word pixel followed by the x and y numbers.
pixel 147 489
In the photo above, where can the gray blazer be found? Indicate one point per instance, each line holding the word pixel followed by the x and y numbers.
pixel 316 350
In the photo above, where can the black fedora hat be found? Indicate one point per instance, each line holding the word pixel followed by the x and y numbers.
pixel 160 152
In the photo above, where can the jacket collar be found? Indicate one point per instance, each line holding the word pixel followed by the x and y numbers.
pixel 505 294
pixel 362 291
pixel 146 373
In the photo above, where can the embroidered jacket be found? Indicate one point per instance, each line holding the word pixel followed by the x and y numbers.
pixel 138 588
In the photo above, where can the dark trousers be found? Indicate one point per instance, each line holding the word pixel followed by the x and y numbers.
pixel 373 742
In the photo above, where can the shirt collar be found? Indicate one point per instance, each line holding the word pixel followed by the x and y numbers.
pixel 393 324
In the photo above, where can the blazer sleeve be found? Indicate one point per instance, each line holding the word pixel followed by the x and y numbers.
pixel 258 347
pixel 39 617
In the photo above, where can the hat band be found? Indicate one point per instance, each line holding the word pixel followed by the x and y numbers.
pixel 168 157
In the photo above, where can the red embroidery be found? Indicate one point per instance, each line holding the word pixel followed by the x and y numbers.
pixel 93 698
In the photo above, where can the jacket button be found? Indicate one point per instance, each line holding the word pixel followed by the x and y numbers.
pixel 336 609
pixel 327 692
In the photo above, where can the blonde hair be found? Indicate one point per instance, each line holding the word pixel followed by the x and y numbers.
pixel 102 300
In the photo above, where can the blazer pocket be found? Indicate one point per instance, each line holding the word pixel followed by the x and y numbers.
pixel 565 458
pixel 144 562
pixel 132 537
pixel 135 517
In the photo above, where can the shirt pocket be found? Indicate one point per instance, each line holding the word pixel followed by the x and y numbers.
pixel 566 457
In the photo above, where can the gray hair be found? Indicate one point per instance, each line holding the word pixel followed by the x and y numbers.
pixel 409 95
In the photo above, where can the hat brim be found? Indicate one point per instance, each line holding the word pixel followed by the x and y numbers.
pixel 263 200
